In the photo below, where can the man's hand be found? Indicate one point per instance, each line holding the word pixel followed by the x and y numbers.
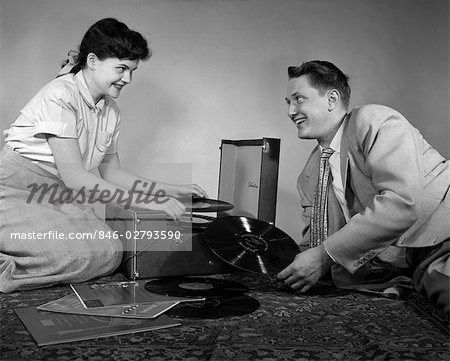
pixel 306 269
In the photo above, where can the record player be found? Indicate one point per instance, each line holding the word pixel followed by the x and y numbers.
pixel 247 181
pixel 155 246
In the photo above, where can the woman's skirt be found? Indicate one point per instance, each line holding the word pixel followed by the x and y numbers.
pixel 47 237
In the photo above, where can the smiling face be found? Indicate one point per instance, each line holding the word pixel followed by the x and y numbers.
pixel 312 113
pixel 108 76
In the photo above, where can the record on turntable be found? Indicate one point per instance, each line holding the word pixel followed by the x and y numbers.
pixel 250 244
pixel 213 308
pixel 206 287
pixel 197 204
pixel 197 221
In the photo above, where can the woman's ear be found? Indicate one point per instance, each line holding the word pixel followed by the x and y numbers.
pixel 91 61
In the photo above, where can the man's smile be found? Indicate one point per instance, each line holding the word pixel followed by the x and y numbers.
pixel 299 121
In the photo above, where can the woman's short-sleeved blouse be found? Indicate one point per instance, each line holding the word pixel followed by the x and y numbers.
pixel 65 108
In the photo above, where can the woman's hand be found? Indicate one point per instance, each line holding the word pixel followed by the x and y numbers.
pixel 170 206
pixel 188 190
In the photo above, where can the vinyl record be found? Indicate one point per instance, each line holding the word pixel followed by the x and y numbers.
pixel 250 244
pixel 214 308
pixel 206 287
pixel 196 204
pixel 197 221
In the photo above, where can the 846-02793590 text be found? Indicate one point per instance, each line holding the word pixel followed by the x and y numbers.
pixel 149 235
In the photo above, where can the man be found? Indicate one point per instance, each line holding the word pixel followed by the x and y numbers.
pixel 387 205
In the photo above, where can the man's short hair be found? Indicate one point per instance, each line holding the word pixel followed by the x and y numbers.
pixel 324 76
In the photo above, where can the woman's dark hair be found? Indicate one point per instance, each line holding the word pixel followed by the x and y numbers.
pixel 110 38
pixel 323 76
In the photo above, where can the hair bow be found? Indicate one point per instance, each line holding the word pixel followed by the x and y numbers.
pixel 69 63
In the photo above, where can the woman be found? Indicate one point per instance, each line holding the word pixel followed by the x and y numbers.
pixel 49 233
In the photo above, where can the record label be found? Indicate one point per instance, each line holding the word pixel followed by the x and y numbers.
pixel 214 308
pixel 250 244
pixel 195 287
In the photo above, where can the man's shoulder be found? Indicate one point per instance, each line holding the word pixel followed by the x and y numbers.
pixel 372 116
pixel 369 112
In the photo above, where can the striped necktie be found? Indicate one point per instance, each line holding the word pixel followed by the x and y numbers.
pixel 319 209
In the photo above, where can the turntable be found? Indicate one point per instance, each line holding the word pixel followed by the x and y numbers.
pixel 248 179
pixel 155 246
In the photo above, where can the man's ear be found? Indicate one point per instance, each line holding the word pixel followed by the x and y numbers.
pixel 91 61
pixel 334 98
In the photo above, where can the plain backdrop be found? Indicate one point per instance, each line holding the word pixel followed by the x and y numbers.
pixel 219 71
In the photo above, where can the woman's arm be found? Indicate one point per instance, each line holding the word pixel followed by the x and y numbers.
pixel 69 163
pixel 111 171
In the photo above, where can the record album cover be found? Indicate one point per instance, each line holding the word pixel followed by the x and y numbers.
pixel 48 328
pixel 71 304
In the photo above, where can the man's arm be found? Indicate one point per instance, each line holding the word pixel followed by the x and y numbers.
pixel 386 153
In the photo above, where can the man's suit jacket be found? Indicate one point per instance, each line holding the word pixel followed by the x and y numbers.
pixel 396 186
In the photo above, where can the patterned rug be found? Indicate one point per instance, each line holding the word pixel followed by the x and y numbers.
pixel 324 324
